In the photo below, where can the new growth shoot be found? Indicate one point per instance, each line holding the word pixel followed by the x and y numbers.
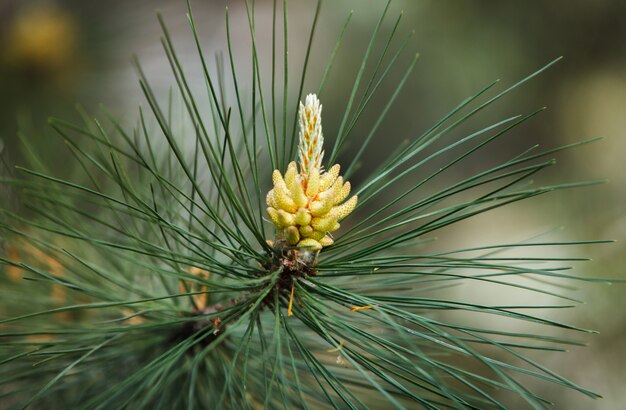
pixel 306 205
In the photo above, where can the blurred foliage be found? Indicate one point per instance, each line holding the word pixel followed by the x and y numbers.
pixel 41 42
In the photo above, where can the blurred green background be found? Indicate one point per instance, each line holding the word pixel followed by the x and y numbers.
pixel 55 54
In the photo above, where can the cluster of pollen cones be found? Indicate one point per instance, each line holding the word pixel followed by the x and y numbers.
pixel 305 210
pixel 306 206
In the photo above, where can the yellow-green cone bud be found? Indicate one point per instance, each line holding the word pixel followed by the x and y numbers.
pixel 303 217
pixel 326 241
pixel 310 243
pixel 292 235
pixel 285 218
pixel 306 230
pixel 317 235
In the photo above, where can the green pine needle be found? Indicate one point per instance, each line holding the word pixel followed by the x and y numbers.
pixel 145 280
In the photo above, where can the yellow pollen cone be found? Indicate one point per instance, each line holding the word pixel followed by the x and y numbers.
pixel 321 208
pixel 297 193
pixel 323 224
pixel 271 201
pixel 286 219
pixel 283 198
pixel 343 193
pixel 290 175
pixel 343 210
pixel 306 230
pixel 329 177
pixel 303 217
pixel 313 183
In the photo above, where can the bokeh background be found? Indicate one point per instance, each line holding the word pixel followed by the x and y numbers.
pixel 56 54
